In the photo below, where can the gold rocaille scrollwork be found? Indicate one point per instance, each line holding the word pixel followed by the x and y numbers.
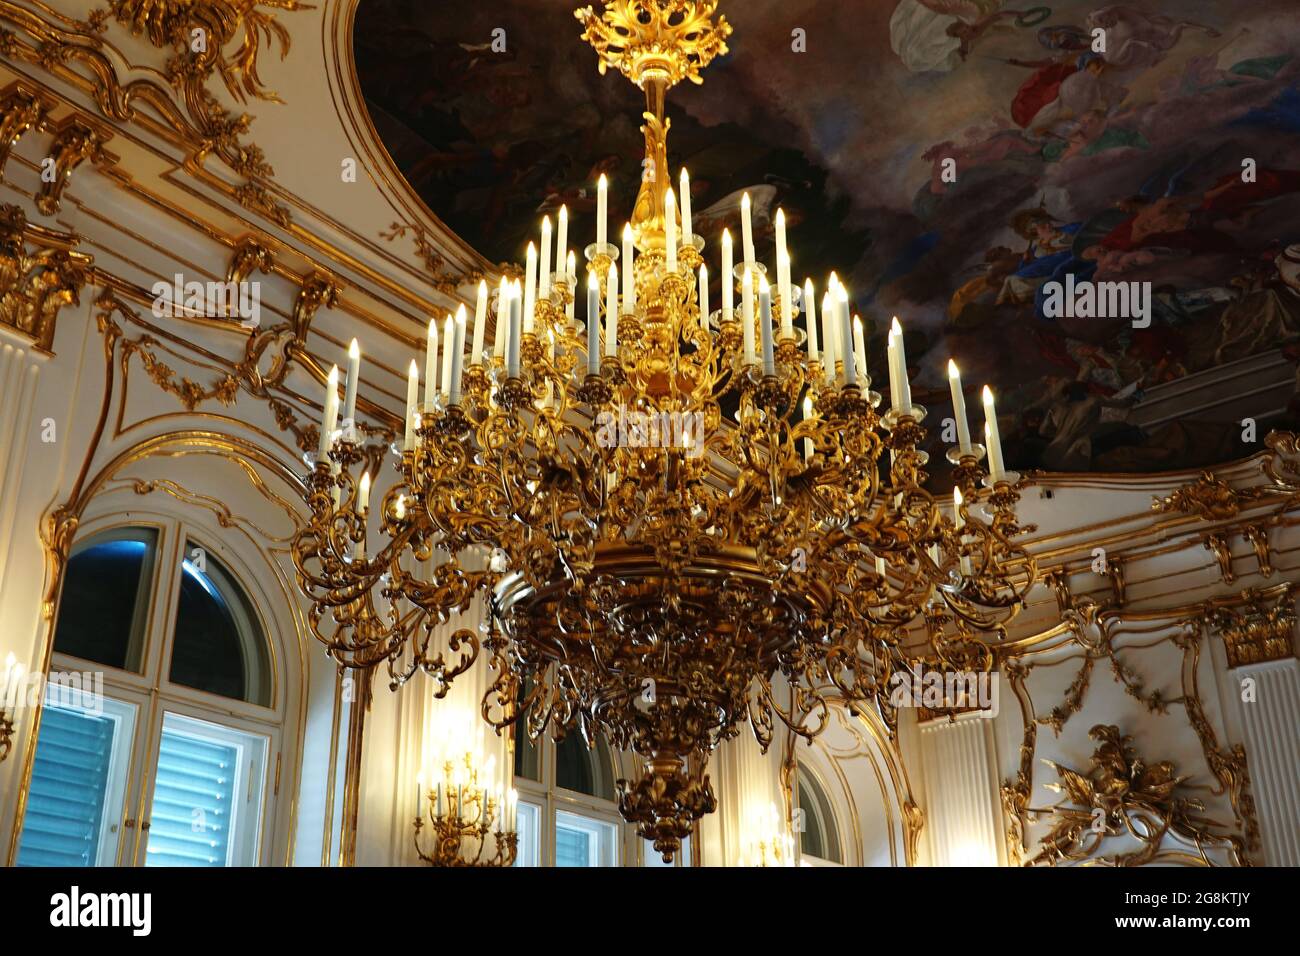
pixel 673 38
pixel 75 142
pixel 287 340
pixel 1208 496
pixel 40 273
pixel 1123 795
pixel 21 111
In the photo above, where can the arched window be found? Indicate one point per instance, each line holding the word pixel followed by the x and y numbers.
pixel 567 811
pixel 158 728
pixel 820 836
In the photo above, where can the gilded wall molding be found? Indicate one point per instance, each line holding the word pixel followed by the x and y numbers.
pixel 21 110
pixel 1260 629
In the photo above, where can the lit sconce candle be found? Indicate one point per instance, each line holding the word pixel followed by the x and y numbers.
pixel 959 408
pixel 363 495
pixel 704 296
pixel 530 290
pixel 859 348
pixel 573 271
pixel 593 323
pixel 503 319
pixel 629 277
pixel 354 375
pixel 514 808
pixel 670 231
pixel 846 337
pixel 419 796
pixel 807 416
pixel 602 205
pixel 746 232
pixel 412 396
pixel 457 355
pixel 448 346
pixel 828 337
pixel 765 325
pixel 787 300
pixel 810 318
pixel 992 437
pixel 544 261
pixel 747 315
pixel 688 237
pixel 431 362
pixel 480 325
pixel 900 367
pixel 728 287
pixel 562 241
pixel 959 522
pixel 330 418
pixel 513 333
pixel 438 801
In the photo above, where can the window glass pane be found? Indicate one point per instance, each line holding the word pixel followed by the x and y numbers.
pixel 584 841
pixel 528 756
pixel 77 786
pixel 820 837
pixel 528 827
pixel 219 646
pixel 582 769
pixel 206 795
pixel 105 601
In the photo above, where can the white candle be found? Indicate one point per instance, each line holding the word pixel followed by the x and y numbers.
pixel 629 286
pixel 895 399
pixel 431 362
pixel 530 290
pixel 747 315
pixel 503 319
pixel 571 265
pixel 457 355
pixel 363 495
pixel 959 408
pixel 354 375
pixel 859 348
pixel 783 289
pixel 704 296
pixel 765 325
pixel 611 302
pixel 330 417
pixel 513 331
pixel 807 416
pixel 688 237
pixel 602 204
pixel 562 242
pixel 480 325
pixel 810 319
pixel 780 236
pixel 611 320
pixel 412 396
pixel 992 437
pixel 448 346
pixel 728 278
pixel 900 357
pixel 544 261
pixel 880 566
pixel 959 522
pixel 846 338
pixel 746 232
pixel 670 231
pixel 593 323
pixel 828 337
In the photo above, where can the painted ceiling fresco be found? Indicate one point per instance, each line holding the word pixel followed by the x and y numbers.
pixel 1172 158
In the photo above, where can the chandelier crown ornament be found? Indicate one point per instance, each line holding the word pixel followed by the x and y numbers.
pixel 683 519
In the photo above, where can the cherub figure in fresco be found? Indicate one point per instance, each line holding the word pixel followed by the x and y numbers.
pixel 974 302
pixel 1048 256
pixel 940 34
pixel 1136 39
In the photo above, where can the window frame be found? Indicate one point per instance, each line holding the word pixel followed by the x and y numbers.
pixel 153 694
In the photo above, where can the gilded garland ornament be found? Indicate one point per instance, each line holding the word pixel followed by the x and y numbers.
pixel 659 593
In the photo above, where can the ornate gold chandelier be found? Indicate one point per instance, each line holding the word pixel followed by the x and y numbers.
pixel 757 534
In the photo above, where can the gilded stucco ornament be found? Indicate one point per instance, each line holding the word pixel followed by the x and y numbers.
pixel 1122 795
pixel 40 273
